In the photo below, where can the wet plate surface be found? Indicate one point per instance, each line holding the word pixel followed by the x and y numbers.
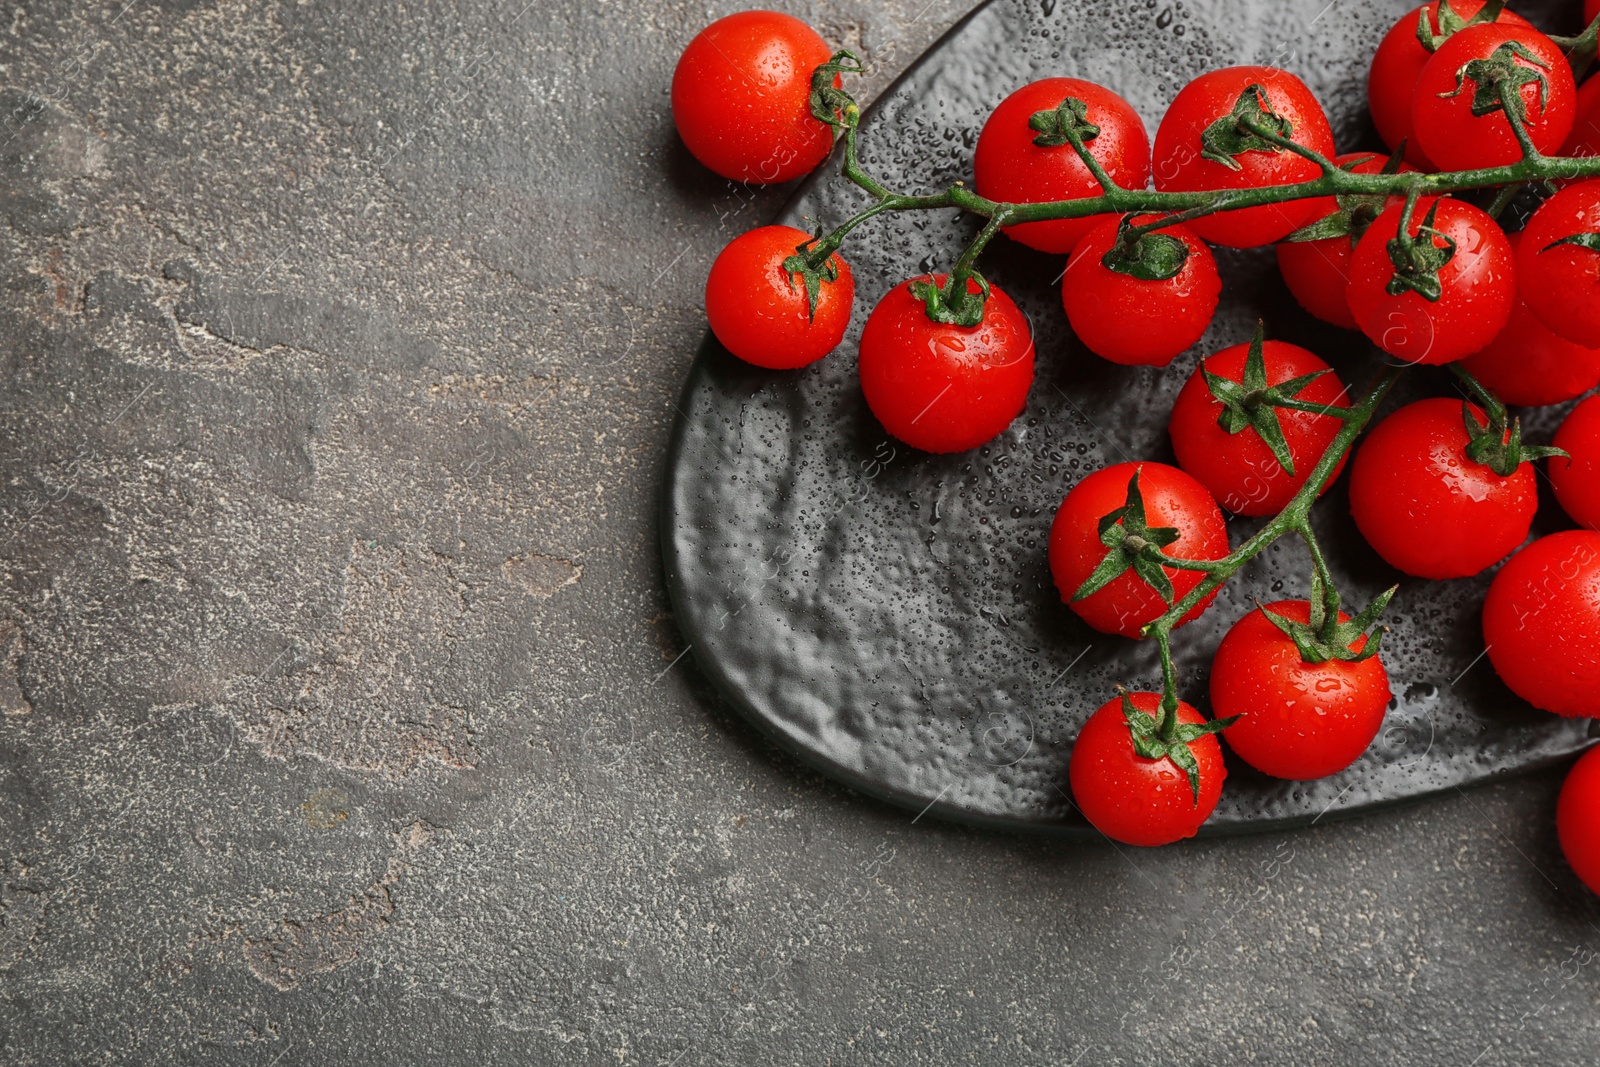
pixel 888 615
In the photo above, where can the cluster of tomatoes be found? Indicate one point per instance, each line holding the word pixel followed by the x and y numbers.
pixel 1440 488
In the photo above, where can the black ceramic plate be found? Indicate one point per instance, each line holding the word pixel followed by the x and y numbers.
pixel 888 615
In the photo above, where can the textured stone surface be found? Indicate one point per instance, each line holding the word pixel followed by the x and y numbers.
pixel 339 347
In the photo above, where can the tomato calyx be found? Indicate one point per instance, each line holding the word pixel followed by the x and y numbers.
pixel 1252 403
pixel 1498 80
pixel 1132 544
pixel 814 263
pixel 1240 131
pixel 1450 22
pixel 1355 211
pixel 828 102
pixel 1169 739
pixel 1494 439
pixel 1591 241
pixel 1066 123
pixel 1140 252
pixel 1324 637
pixel 1417 262
pixel 953 304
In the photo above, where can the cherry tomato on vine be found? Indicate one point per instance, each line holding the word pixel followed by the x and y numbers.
pixel 741 97
pixel 1240 468
pixel 1584 140
pixel 1477 284
pixel 1201 129
pixel 1427 508
pixel 1317 272
pixel 759 310
pixel 1540 619
pixel 1398 63
pixel 1010 165
pixel 1175 516
pixel 942 387
pixel 1591 11
pixel 1135 800
pixel 1577 480
pixel 1138 321
pixel 1528 363
pixel 1297 720
pixel 1558 263
pixel 1578 816
pixel 1444 106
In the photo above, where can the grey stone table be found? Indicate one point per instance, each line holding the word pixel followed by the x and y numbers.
pixel 342 716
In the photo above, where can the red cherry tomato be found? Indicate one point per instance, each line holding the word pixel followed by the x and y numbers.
pixel 1453 137
pixel 1009 167
pixel 1179 165
pixel 1578 813
pixel 741 97
pixel 1135 800
pixel 1238 468
pixel 1591 10
pixel 1577 480
pixel 1424 506
pixel 1562 284
pixel 1528 363
pixel 1397 65
pixel 1296 719
pixel 759 311
pixel 944 388
pixel 1172 499
pixel 1540 619
pixel 1477 287
pixel 1317 272
pixel 1130 320
pixel 1584 140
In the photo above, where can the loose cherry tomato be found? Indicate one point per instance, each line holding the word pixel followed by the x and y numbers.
pixel 1192 133
pixel 1562 283
pixel 1528 363
pixel 1425 506
pixel 1397 65
pixel 1577 480
pixel 759 310
pixel 1477 286
pixel 939 387
pixel 1011 167
pixel 741 97
pixel 1455 80
pixel 1578 813
pixel 1141 801
pixel 1240 468
pixel 1296 719
pixel 1317 272
pixel 1130 320
pixel 1180 519
pixel 1540 619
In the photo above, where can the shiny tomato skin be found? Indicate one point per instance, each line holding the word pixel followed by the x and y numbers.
pixel 1584 140
pixel 741 97
pixel 1577 480
pixel 944 388
pixel 1540 618
pixel 1396 66
pixel 1179 167
pixel 1009 167
pixel 1238 468
pixel 759 311
pixel 1171 498
pixel 1562 284
pixel 1140 801
pixel 1297 720
pixel 1317 272
pixel 1478 286
pixel 1453 138
pixel 1129 320
pixel 1578 818
pixel 1425 507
